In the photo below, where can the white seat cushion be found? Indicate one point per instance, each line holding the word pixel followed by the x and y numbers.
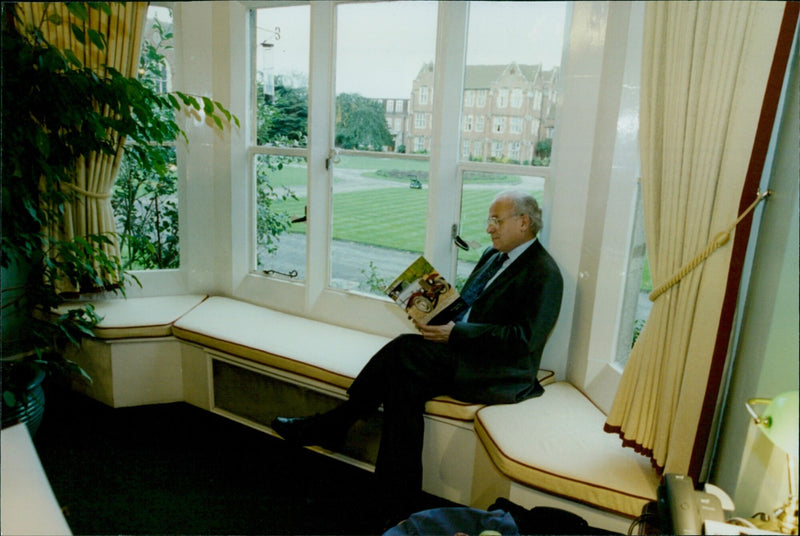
pixel 317 350
pixel 323 352
pixel 446 406
pixel 124 318
pixel 556 443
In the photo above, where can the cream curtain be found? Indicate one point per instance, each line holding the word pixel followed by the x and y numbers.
pixel 91 212
pixel 704 79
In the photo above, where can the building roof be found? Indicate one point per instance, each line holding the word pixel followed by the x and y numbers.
pixel 482 76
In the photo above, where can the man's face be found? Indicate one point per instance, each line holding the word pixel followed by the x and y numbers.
pixel 507 229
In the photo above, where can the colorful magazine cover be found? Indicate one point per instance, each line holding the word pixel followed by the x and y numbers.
pixel 425 294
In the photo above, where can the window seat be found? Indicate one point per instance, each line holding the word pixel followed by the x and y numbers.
pixel 556 444
pixel 138 317
pixel 309 348
pixel 250 363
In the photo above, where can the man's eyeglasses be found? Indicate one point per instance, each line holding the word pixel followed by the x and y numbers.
pixel 497 221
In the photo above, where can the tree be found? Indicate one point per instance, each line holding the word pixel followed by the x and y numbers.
pixel 145 199
pixel 544 147
pixel 285 120
pixel 360 123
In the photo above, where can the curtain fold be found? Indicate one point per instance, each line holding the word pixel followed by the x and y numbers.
pixel 705 73
pixel 91 212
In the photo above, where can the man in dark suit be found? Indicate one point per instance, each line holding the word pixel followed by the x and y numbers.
pixel 489 355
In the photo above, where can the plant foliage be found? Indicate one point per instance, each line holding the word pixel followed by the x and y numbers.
pixel 55 112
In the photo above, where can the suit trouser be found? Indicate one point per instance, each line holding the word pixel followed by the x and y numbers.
pixel 402 376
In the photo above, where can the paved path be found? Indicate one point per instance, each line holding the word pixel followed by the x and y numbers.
pixel 351 260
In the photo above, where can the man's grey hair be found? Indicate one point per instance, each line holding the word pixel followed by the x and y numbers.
pixel 526 204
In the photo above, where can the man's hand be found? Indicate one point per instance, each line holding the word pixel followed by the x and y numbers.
pixel 435 333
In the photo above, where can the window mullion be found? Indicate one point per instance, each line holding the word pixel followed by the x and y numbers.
pixel 444 188
pixel 321 117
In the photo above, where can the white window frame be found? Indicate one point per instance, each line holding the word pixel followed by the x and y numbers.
pixel 516 97
pixel 481 98
pixel 497 149
pixel 502 97
pixel 423 95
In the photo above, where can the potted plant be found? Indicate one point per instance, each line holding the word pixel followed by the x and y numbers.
pixel 56 112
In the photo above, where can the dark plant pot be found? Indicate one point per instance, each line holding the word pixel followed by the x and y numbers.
pixel 25 384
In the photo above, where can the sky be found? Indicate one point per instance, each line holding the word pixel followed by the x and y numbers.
pixel 382 46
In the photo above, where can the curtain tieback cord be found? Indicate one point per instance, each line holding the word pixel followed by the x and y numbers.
pixel 86 193
pixel 719 240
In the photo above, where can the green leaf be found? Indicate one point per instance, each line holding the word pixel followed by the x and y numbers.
pixel 208 106
pixel 79 35
pixel 72 58
pixel 9 399
pixel 78 10
pixel 218 121
pixel 103 6
pixel 223 110
pixel 97 39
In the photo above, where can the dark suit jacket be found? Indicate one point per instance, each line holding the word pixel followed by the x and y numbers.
pixel 500 347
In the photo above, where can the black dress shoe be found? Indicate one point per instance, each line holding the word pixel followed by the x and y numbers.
pixel 314 430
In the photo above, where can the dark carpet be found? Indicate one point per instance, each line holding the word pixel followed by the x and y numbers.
pixel 177 469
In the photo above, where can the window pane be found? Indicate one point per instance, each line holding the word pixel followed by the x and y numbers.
pixel 380 202
pixel 378 221
pixel 512 69
pixel 282 48
pixel 145 202
pixel 145 207
pixel 280 210
pixel 636 304
pixel 478 192
pixel 383 50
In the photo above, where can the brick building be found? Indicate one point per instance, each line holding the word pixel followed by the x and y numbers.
pixel 507 110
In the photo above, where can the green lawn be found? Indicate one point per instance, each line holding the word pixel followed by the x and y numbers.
pixel 393 217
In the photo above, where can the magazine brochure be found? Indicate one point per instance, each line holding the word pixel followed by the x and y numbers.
pixel 425 294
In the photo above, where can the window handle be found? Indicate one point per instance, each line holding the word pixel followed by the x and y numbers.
pixel 461 243
pixel 301 219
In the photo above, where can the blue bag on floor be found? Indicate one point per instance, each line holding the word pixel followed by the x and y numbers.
pixel 450 521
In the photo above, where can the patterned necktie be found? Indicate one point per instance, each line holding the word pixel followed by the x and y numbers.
pixel 475 287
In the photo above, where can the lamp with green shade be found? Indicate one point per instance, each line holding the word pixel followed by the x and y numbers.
pixel 779 422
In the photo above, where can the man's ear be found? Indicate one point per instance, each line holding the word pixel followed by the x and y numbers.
pixel 526 222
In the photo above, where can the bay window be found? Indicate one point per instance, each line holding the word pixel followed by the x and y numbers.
pixel 314 205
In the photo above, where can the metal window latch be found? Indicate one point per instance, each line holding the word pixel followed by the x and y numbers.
pixel 333 157
pixel 291 275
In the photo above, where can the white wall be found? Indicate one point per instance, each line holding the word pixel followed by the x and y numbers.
pixel 747 466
